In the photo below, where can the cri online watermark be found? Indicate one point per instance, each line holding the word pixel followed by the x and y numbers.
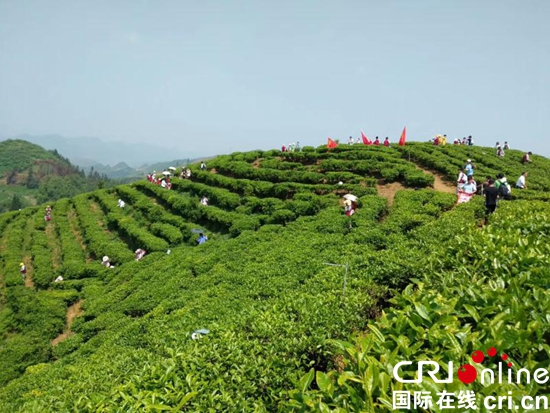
pixel 468 374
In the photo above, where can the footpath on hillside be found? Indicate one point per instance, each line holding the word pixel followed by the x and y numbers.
pixel 388 190
pixel 440 184
pixel 72 312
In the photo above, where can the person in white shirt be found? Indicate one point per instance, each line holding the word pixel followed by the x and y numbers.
pixel 461 179
pixel 521 181
pixel 204 201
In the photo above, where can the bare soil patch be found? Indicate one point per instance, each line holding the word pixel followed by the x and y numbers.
pixel 440 181
pixel 72 312
pixel 388 191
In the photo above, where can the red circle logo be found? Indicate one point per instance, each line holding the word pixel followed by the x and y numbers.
pixel 467 373
pixel 478 356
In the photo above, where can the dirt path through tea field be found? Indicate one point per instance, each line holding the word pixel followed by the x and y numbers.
pixel 388 191
pixel 72 312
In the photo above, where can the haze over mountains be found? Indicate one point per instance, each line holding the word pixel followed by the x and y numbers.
pixel 88 151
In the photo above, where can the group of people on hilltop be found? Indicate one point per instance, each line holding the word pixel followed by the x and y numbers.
pixel 501 148
pixel 469 141
pixel 292 147
pixel 492 189
pixel 441 140
pixel 163 181
pixel 376 141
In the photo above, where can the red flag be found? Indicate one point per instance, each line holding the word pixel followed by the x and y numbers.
pixel 331 144
pixel 403 137
pixel 366 140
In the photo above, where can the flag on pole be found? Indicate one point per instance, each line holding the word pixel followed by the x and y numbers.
pixel 366 140
pixel 331 144
pixel 403 137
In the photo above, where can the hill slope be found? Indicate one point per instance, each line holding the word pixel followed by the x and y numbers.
pixel 119 339
pixel 31 174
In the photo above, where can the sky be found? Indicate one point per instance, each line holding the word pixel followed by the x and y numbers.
pixel 213 77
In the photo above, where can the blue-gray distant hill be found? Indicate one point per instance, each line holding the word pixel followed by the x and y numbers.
pixel 87 151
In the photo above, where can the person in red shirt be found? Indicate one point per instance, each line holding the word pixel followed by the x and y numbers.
pixel 377 141
pixel 387 141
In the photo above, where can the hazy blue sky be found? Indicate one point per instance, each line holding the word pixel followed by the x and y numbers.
pixel 219 76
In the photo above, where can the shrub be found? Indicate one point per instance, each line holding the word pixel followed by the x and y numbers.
pixel 168 232
pixel 418 179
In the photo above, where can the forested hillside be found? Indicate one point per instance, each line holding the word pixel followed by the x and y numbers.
pixel 307 309
pixel 29 174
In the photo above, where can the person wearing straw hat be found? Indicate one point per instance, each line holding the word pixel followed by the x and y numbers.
pixel 23 270
pixel 140 254
pixel 106 262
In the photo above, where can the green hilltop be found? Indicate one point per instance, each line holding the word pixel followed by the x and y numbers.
pixel 29 174
pixel 307 309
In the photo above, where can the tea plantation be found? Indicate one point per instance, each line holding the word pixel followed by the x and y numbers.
pixel 426 280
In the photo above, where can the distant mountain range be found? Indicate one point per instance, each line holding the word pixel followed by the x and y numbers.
pixel 87 151
pixel 128 160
